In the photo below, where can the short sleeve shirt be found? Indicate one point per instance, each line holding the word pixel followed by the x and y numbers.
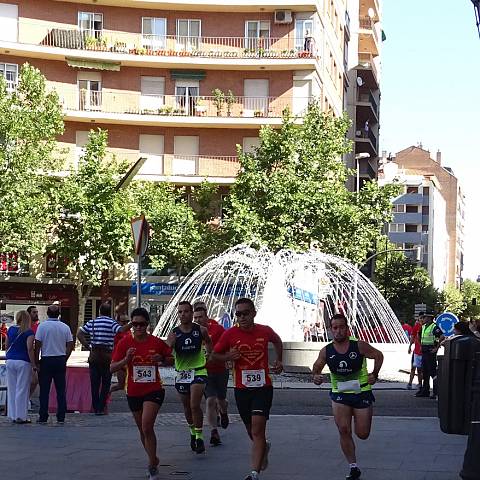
pixel 416 332
pixel 253 347
pixel 141 362
pixel 215 330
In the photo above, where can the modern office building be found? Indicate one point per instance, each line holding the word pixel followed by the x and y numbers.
pixel 362 99
pixel 424 201
pixel 179 82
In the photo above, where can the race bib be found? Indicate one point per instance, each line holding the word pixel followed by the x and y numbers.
pixel 349 386
pixel 185 376
pixel 253 378
pixel 144 373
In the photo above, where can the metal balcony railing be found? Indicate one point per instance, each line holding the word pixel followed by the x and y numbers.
pixel 176 105
pixel 163 45
pixel 366 23
pixel 367 97
pixel 366 60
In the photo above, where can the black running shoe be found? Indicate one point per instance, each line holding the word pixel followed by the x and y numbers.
pixel 215 438
pixel 224 420
pixel 193 442
pixel 200 446
pixel 354 473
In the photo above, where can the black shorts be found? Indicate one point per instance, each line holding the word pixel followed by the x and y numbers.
pixel 354 400
pixel 184 388
pixel 217 385
pixel 136 403
pixel 253 401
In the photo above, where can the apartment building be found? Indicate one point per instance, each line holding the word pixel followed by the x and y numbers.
pixel 419 220
pixel 443 187
pixel 181 83
pixel 362 99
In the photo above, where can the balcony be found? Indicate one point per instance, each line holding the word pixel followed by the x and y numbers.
pixel 207 111
pixel 368 39
pixel 44 41
pixel 366 66
pixel 366 141
pixel 366 99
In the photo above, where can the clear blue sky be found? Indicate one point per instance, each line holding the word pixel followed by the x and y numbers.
pixel 431 94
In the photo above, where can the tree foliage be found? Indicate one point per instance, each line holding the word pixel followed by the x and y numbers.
pixel 291 192
pixel 465 302
pixel 30 120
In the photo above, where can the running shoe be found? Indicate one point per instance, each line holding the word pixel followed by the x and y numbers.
pixel 265 456
pixel 354 474
pixel 200 446
pixel 224 420
pixel 215 438
pixel 153 473
pixel 252 476
pixel 193 442
pixel 409 386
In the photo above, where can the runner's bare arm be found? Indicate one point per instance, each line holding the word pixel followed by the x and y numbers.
pixel 207 340
pixel 115 366
pixel 278 346
pixel 376 355
pixel 170 341
pixel 318 367
pixel 82 338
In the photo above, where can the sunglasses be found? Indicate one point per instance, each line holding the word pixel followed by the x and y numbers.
pixel 242 313
pixel 139 324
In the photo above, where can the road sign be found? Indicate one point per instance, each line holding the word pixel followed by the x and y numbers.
pixel 141 233
pixel 445 322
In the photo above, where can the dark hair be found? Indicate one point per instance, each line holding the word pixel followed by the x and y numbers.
pixel 247 301
pixel 339 316
pixel 184 302
pixel 30 308
pixel 105 309
pixel 463 328
pixel 53 311
pixel 140 312
pixel 200 309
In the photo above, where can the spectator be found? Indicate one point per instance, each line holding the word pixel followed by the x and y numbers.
pixel 121 374
pixel 308 42
pixel 33 312
pixel 3 335
pixel 55 342
pixel 20 360
pixel 416 355
pixel 407 328
pixel 101 333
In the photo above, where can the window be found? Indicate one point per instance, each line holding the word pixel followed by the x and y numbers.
pixel 426 191
pixel 90 94
pixel 411 208
pixel 397 228
pixel 425 228
pixel 412 189
pixel 81 139
pixel 188 34
pixel 398 208
pixel 257 34
pixel 92 23
pixel 153 90
pixel 154 32
pixel 425 210
pixel 411 228
pixel 10 72
pixel 304 35
pixel 151 146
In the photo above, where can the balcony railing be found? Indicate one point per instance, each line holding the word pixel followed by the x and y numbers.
pixel 178 105
pixel 163 45
pixel 366 60
pixel 367 97
pixel 366 23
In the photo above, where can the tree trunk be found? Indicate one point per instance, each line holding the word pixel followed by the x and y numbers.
pixel 83 292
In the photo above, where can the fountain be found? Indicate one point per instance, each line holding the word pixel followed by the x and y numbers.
pixel 295 293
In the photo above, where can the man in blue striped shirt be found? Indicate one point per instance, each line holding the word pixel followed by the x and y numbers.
pixel 97 336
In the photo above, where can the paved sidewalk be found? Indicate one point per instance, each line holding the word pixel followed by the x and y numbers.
pixel 303 448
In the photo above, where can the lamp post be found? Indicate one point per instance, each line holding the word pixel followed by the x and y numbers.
pixel 358 157
pixel 476 9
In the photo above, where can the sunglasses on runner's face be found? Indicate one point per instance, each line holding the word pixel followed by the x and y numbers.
pixel 139 324
pixel 242 313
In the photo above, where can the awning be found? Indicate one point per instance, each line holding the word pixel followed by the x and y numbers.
pixel 80 63
pixel 187 74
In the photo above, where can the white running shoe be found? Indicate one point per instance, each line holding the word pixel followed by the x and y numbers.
pixel 265 456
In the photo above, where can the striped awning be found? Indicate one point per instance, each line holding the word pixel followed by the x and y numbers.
pixel 81 63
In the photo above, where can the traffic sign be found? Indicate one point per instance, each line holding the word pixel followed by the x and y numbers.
pixel 445 322
pixel 141 233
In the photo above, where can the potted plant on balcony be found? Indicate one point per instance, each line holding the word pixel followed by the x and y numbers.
pixel 258 113
pixel 165 110
pixel 218 100
pixel 230 99
pixel 120 47
pixel 90 42
pixel 200 107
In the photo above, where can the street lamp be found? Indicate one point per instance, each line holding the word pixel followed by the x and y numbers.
pixel 476 8
pixel 358 157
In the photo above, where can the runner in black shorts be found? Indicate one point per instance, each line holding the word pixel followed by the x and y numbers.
pixel 351 393
pixel 142 354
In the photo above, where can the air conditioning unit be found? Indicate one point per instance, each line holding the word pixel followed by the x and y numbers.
pixel 283 16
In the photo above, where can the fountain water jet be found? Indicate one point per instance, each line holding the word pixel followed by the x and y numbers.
pixel 295 293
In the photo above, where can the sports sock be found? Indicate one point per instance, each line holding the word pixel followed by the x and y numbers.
pixel 255 474
pixel 192 429
pixel 353 465
pixel 198 433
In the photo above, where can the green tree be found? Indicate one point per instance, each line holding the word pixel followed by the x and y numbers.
pixel 291 192
pixel 93 231
pixel 452 300
pixel 30 120
pixel 471 298
pixel 403 283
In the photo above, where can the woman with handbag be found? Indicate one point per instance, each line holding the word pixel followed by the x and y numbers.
pixel 20 360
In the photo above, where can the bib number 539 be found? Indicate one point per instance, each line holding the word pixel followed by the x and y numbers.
pixel 253 378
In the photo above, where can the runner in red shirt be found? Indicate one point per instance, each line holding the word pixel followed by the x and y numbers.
pixel 141 354
pixel 33 312
pixel 217 381
pixel 417 354
pixel 247 346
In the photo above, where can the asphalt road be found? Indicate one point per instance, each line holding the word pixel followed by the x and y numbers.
pixel 398 403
